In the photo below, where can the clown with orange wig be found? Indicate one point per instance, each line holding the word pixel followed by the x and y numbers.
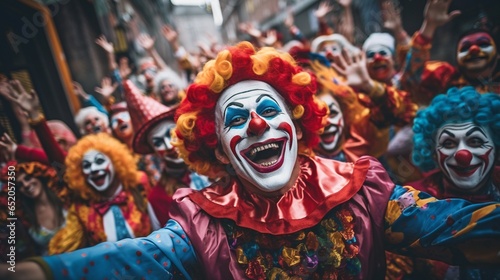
pixel 110 203
pixel 252 117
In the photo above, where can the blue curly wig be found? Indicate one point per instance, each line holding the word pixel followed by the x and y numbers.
pixel 458 105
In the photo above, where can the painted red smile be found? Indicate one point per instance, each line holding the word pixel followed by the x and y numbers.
pixel 267 156
pixel 464 171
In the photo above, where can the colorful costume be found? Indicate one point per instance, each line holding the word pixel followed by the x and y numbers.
pixel 318 218
pixel 426 79
pixel 175 174
pixel 94 218
pixel 461 145
pixel 366 119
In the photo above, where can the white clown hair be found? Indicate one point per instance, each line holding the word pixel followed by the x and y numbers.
pixel 80 117
pixel 341 40
pixel 379 39
pixel 169 75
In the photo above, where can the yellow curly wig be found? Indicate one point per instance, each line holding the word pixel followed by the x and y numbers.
pixel 123 161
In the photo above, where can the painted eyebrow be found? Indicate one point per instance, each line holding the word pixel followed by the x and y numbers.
pixel 474 129
pixel 241 92
pixel 447 132
pixel 237 104
pixel 265 95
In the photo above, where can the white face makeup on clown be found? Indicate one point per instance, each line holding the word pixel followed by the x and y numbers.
pixel 333 130
pixel 257 134
pixel 476 51
pixel 465 153
pixel 160 138
pixel 122 125
pixel 98 170
pixel 330 49
pixel 379 62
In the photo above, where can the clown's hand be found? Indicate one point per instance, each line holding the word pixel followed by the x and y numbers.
pixel 28 102
pixel 107 88
pixel 353 68
pixel 435 15
pixel 7 147
pixel 323 9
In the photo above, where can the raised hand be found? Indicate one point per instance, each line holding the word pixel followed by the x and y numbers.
pixel 391 16
pixel 271 38
pixel 107 88
pixel 7 147
pixel 105 44
pixel 436 12
pixel 435 15
pixel 146 42
pixel 353 68
pixel 250 29
pixel 78 89
pixel 345 3
pixel 169 33
pixel 323 9
pixel 28 102
pixel 124 68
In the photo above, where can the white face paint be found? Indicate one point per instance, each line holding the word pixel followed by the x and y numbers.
pixel 160 137
pixel 328 49
pixel 335 126
pixel 98 170
pixel 257 134
pixel 379 63
pixel 122 125
pixel 465 153
pixel 94 123
pixel 476 51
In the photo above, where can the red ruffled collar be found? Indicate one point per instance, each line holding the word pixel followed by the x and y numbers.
pixel 322 185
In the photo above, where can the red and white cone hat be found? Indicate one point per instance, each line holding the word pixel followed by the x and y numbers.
pixel 145 113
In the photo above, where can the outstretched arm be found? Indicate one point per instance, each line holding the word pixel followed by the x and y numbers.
pixel 452 230
pixel 166 253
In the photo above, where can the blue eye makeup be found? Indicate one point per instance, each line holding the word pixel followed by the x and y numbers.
pixel 268 109
pixel 235 117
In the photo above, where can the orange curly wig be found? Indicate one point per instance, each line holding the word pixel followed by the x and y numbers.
pixel 196 136
pixel 124 164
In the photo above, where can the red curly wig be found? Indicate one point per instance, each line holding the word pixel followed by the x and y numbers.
pixel 197 139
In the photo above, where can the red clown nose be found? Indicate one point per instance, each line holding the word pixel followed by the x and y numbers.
pixel 257 125
pixel 474 49
pixel 463 157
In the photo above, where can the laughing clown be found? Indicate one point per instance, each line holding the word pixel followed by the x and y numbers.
pixel 282 213
pixel 458 135
pixel 111 203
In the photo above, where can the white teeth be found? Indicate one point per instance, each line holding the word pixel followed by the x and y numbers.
pixel 264 147
pixel 266 164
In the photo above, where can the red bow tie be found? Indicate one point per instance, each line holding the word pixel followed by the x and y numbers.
pixel 103 207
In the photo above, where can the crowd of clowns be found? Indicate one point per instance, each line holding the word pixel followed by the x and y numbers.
pixel 307 160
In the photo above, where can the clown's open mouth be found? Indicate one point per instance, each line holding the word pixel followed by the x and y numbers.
pixel 379 66
pixel 330 133
pixel 328 138
pixel 465 171
pixel 267 156
pixel 99 180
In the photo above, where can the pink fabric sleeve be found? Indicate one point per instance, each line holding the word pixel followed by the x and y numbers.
pixel 207 236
